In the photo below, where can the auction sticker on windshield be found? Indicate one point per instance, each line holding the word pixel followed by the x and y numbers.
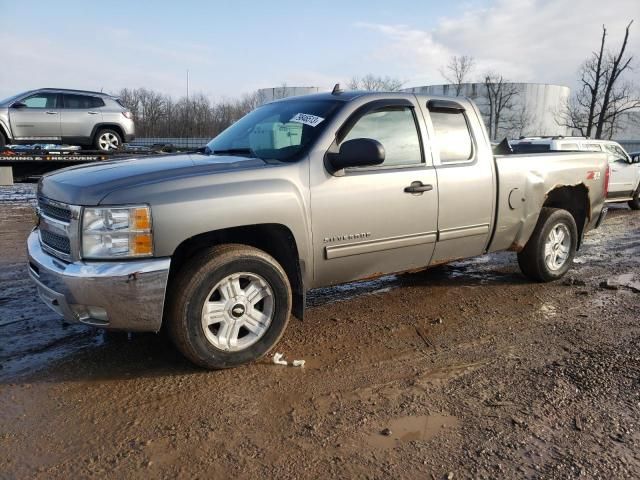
pixel 307 119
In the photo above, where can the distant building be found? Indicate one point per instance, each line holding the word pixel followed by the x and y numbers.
pixel 266 95
pixel 532 111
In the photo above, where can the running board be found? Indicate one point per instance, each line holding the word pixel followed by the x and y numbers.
pixel 616 200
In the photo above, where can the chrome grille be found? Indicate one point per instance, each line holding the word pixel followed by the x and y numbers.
pixel 54 211
pixel 57 242
pixel 58 227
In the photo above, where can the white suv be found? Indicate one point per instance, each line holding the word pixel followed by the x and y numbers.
pixel 624 183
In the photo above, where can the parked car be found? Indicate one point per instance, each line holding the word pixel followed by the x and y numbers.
pixel 76 117
pixel 301 193
pixel 624 184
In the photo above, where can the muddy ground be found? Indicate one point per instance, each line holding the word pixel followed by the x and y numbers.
pixel 471 371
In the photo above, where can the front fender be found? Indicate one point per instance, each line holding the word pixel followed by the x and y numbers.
pixel 4 126
pixel 185 207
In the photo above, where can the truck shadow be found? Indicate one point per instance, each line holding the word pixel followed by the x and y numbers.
pixel 498 268
pixel 42 342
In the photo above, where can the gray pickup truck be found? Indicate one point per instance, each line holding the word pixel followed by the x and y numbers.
pixel 220 247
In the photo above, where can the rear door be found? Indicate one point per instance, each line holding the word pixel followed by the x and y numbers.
pixel 466 190
pixel 366 221
pixel 80 114
pixel 38 120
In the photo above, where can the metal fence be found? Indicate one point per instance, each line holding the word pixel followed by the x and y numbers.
pixel 177 142
pixel 628 145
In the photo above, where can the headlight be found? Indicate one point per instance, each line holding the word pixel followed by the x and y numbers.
pixel 117 232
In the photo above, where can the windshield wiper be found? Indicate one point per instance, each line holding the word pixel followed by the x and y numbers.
pixel 235 151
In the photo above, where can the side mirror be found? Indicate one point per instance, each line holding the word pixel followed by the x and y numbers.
pixel 18 105
pixel 359 152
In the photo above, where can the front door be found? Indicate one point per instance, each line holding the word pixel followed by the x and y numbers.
pixel 366 221
pixel 623 179
pixel 38 120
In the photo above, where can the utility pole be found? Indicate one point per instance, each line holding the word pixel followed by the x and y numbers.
pixel 188 105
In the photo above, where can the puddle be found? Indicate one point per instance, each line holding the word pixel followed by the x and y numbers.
pixel 412 428
pixel 627 280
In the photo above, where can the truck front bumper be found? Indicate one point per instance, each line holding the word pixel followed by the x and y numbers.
pixel 125 295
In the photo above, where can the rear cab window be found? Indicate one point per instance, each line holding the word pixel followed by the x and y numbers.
pixel 569 147
pixel 453 137
pixel 591 147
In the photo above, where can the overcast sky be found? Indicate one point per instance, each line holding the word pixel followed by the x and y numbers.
pixel 233 47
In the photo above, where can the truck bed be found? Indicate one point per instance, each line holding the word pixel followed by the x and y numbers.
pixel 525 183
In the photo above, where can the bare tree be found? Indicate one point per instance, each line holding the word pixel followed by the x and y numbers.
pixel 501 97
pixel 617 65
pixel 457 71
pixel 372 82
pixel 521 122
pixel 597 106
pixel 158 115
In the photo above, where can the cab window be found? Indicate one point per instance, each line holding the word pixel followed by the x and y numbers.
pixel 395 128
pixel 81 101
pixel 615 153
pixel 453 137
pixel 42 100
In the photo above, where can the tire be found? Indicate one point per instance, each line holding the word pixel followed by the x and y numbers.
pixel 107 140
pixel 207 281
pixel 634 203
pixel 543 265
pixel 3 140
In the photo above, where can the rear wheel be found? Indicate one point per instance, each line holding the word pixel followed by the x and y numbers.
pixel 107 140
pixel 230 306
pixel 3 141
pixel 548 254
pixel 634 203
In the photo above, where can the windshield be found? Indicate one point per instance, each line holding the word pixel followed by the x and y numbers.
pixel 10 99
pixel 279 131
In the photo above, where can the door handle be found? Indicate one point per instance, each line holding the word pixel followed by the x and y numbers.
pixel 92 113
pixel 418 187
pixel 51 113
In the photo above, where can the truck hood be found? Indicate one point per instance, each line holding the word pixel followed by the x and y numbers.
pixel 88 184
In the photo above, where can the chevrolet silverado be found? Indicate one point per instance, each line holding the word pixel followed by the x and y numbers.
pixel 220 247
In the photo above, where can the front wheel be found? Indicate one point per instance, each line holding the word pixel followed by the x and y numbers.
pixel 228 305
pixel 548 254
